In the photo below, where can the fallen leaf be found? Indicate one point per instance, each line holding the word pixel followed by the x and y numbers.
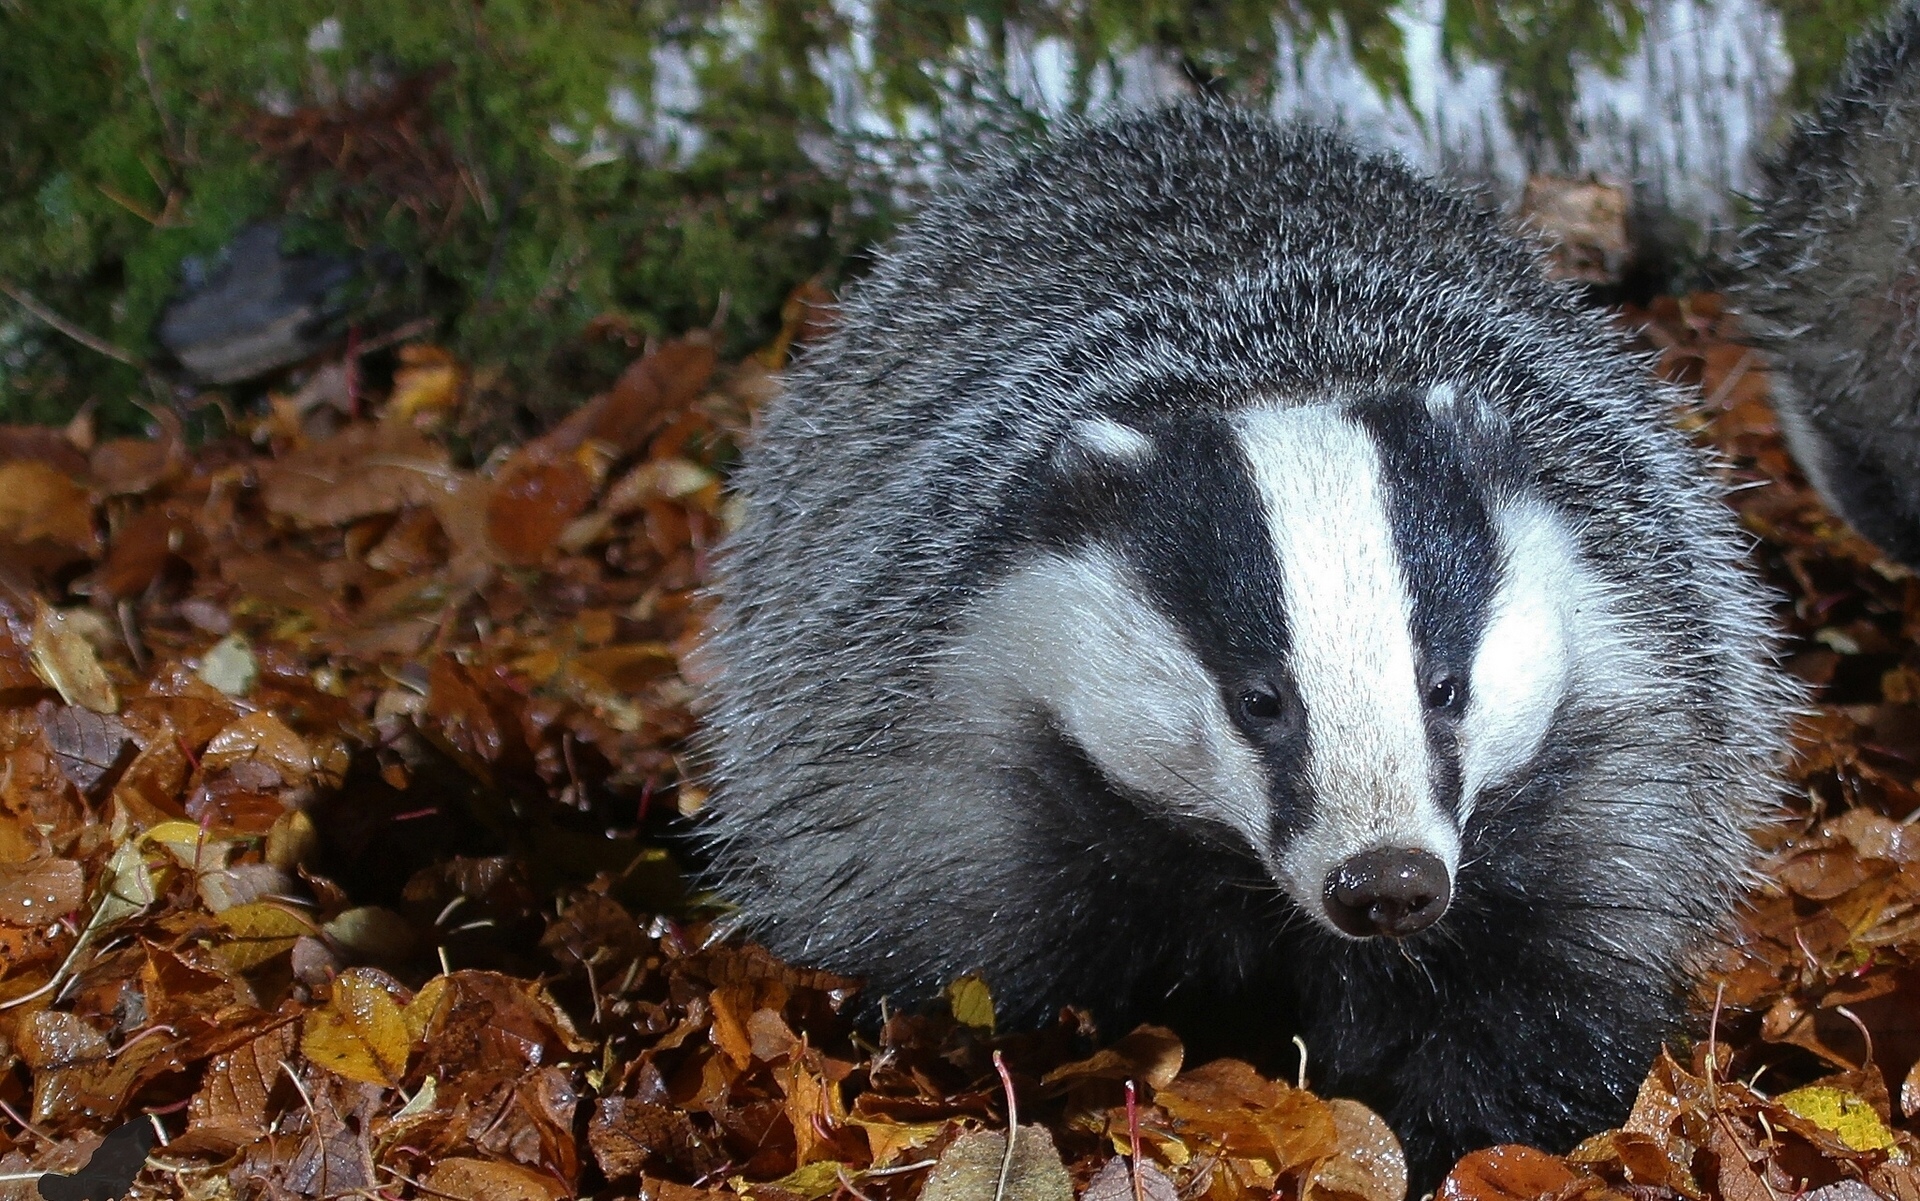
pixel 363 471
pixel 971 1003
pixel 229 666
pixel 970 1169
pixel 39 502
pixel 63 658
pixel 1151 1054
pixel 91 748
pixel 261 752
pixel 1115 1182
pixel 530 506
pixel 1841 1112
pixel 1369 1166
pixel 40 892
pixel 259 932
pixel 1507 1173
pixel 426 383
pixel 490 1180
pixel 361 1034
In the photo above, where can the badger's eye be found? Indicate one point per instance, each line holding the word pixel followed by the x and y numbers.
pixel 1258 704
pixel 1445 693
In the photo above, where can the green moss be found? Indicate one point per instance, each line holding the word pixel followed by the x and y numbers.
pixel 517 202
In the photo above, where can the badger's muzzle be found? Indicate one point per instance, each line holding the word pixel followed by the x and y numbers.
pixel 1388 892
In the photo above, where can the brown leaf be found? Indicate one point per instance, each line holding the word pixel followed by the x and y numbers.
pixel 1116 1182
pixel 1508 1173
pixel 261 753
pixel 628 1136
pixel 90 748
pixel 130 466
pixel 970 1169
pixel 1254 1117
pixel 1737 1179
pixel 234 1101
pixel 1151 1054
pixel 1369 1166
pixel 364 470
pixel 39 892
pixel 531 504
pixel 38 502
pixel 490 1180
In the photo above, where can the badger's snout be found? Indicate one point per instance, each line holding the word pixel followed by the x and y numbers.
pixel 1387 891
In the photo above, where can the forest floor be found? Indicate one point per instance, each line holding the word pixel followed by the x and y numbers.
pixel 338 785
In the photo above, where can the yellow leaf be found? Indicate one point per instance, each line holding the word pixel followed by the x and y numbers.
pixel 190 847
pixel 428 381
pixel 361 1034
pixel 419 1011
pixel 888 1141
pixel 260 931
pixel 65 660
pixel 971 1002
pixel 814 1180
pixel 1840 1111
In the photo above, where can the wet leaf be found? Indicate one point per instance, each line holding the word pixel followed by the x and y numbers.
pixel 1508 1173
pixel 1151 1055
pixel 41 891
pixel 489 1180
pixel 361 1034
pixel 1841 1112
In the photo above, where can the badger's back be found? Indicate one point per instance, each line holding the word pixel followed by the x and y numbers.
pixel 1828 280
pixel 1198 260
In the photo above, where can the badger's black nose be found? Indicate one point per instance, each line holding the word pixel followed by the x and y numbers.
pixel 1388 891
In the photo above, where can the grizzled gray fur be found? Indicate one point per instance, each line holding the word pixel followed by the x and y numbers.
pixel 1829 282
pixel 1211 575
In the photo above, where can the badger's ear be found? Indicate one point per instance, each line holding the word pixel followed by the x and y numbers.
pixel 1102 441
pixel 1089 479
pixel 1483 432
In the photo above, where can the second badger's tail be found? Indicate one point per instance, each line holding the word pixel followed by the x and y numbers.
pixel 1828 281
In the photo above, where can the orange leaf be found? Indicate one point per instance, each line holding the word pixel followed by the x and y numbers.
pixel 531 505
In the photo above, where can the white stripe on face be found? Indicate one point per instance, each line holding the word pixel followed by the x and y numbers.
pixel 1072 633
pixel 1523 665
pixel 1351 647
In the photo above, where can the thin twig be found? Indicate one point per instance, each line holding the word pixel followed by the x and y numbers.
pixel 1013 1127
pixel 98 345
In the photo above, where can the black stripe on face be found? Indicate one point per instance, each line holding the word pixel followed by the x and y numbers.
pixel 1449 548
pixel 1188 520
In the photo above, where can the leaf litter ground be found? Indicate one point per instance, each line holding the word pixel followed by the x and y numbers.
pixel 338 787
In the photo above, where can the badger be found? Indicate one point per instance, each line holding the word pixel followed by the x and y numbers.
pixel 1827 276
pixel 1211 572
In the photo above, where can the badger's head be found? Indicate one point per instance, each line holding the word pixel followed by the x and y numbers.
pixel 1323 631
